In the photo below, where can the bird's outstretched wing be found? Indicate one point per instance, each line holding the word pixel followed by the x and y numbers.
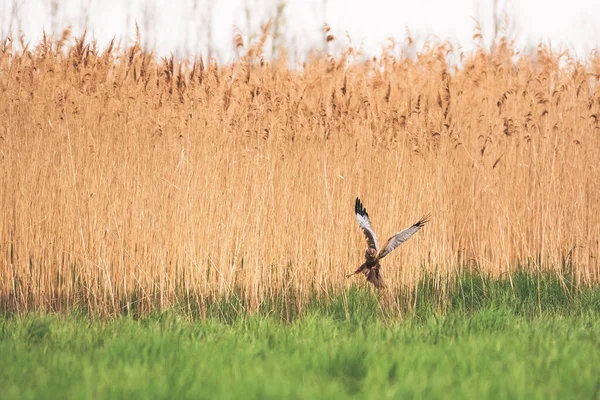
pixel 401 237
pixel 365 225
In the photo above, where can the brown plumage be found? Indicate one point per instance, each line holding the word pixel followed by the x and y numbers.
pixel 373 254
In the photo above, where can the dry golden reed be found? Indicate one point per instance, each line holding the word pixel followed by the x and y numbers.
pixel 132 182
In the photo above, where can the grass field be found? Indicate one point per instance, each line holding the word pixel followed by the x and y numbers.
pixel 173 229
pixel 498 344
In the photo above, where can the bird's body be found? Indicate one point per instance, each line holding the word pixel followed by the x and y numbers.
pixel 373 254
pixel 371 271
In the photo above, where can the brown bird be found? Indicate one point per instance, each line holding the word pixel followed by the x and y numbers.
pixel 373 254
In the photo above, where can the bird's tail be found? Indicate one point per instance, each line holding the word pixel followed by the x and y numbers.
pixel 375 278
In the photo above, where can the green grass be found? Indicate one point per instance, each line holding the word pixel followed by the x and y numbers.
pixel 494 340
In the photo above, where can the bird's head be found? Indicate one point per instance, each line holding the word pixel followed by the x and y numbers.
pixel 371 253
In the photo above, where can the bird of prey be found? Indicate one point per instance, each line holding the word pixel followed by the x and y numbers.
pixel 374 253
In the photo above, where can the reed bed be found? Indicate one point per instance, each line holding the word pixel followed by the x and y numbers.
pixel 130 182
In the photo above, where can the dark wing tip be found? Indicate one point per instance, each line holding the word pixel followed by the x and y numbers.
pixel 423 221
pixel 359 208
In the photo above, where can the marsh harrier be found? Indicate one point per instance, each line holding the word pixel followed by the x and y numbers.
pixel 373 254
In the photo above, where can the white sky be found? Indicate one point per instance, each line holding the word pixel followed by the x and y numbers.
pixel 181 26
